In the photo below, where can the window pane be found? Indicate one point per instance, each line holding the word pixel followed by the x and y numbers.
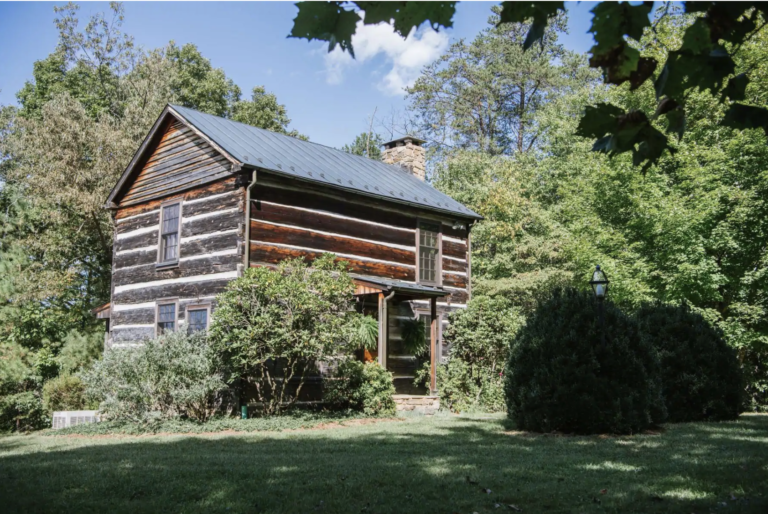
pixel 170 219
pixel 170 247
pixel 428 251
pixel 166 318
pixel 197 320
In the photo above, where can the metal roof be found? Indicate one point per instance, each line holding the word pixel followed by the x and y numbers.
pixel 305 160
pixel 400 286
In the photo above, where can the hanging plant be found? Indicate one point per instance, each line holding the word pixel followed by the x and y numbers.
pixel 364 333
pixel 414 337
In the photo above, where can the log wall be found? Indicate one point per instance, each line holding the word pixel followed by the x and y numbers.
pixel 211 250
pixel 377 239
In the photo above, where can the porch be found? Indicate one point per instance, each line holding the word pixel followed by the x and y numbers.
pixel 391 303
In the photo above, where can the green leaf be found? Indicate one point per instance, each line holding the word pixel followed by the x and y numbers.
pixel 676 121
pixel 326 21
pixel 613 20
pixel 599 120
pixel 685 70
pixel 697 37
pixel 407 15
pixel 740 116
pixel 619 61
pixel 538 12
pixel 736 89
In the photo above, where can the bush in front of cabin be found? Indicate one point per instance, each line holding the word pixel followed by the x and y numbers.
pixel 177 375
pixel 65 392
pixel 701 377
pixel 274 326
pixel 561 377
pixel 479 338
pixel 365 387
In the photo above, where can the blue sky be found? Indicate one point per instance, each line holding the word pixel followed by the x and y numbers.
pixel 328 97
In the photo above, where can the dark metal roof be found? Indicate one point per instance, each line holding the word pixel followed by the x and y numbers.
pixel 287 155
pixel 400 286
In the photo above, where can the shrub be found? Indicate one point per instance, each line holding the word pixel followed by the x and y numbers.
pixel 274 325
pixel 701 379
pixel 364 387
pixel 65 392
pixel 79 350
pixel 479 338
pixel 23 412
pixel 561 377
pixel 176 375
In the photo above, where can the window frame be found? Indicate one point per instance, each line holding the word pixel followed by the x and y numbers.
pixel 198 307
pixel 166 301
pixel 438 282
pixel 162 264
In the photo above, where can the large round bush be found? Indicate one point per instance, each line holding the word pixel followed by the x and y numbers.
pixel 561 377
pixel 701 379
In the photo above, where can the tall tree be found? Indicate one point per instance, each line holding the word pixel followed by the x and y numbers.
pixel 486 94
pixel 264 111
pixel 366 144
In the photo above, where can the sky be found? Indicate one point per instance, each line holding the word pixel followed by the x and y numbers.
pixel 329 97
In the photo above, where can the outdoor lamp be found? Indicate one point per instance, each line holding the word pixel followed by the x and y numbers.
pixel 599 283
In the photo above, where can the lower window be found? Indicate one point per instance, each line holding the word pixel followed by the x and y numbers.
pixel 166 318
pixel 197 319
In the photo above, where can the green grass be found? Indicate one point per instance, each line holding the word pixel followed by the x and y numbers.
pixel 421 464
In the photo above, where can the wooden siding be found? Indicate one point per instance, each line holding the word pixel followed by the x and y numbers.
pixel 181 160
pixel 210 255
pixel 376 238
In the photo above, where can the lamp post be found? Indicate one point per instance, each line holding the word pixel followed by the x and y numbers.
pixel 599 285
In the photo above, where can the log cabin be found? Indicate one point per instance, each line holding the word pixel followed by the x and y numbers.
pixel 205 198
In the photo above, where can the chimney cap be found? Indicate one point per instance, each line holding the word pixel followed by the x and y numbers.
pixel 405 139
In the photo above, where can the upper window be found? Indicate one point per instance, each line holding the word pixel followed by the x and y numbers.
pixel 169 233
pixel 197 319
pixel 429 253
pixel 166 318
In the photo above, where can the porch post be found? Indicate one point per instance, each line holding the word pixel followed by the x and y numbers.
pixel 382 348
pixel 433 346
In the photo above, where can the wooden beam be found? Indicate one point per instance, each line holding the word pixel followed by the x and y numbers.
pixel 433 346
pixel 382 349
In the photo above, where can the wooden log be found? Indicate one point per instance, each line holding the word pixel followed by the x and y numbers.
pixel 454 280
pixel 207 225
pixel 456 250
pixel 181 290
pixel 209 244
pixel 297 237
pixel 134 259
pixel 132 224
pixel 138 241
pixel 214 204
pixel 451 265
pixel 288 215
pixel 459 296
pixel 268 254
pixel 314 201
pixel 220 186
pixel 149 272
pixel 133 317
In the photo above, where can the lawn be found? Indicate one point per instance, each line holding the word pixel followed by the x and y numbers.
pixel 440 464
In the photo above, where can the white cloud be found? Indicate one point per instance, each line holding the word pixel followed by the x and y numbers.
pixel 404 57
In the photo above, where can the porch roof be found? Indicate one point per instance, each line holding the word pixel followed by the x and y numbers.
pixel 368 285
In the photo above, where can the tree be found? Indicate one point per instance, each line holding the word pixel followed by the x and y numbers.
pixel 487 94
pixel 703 58
pixel 264 111
pixel 275 325
pixel 198 85
pixel 366 144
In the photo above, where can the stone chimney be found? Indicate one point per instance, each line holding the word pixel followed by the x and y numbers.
pixel 408 153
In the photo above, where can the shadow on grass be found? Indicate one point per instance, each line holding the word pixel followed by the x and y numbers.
pixel 441 464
